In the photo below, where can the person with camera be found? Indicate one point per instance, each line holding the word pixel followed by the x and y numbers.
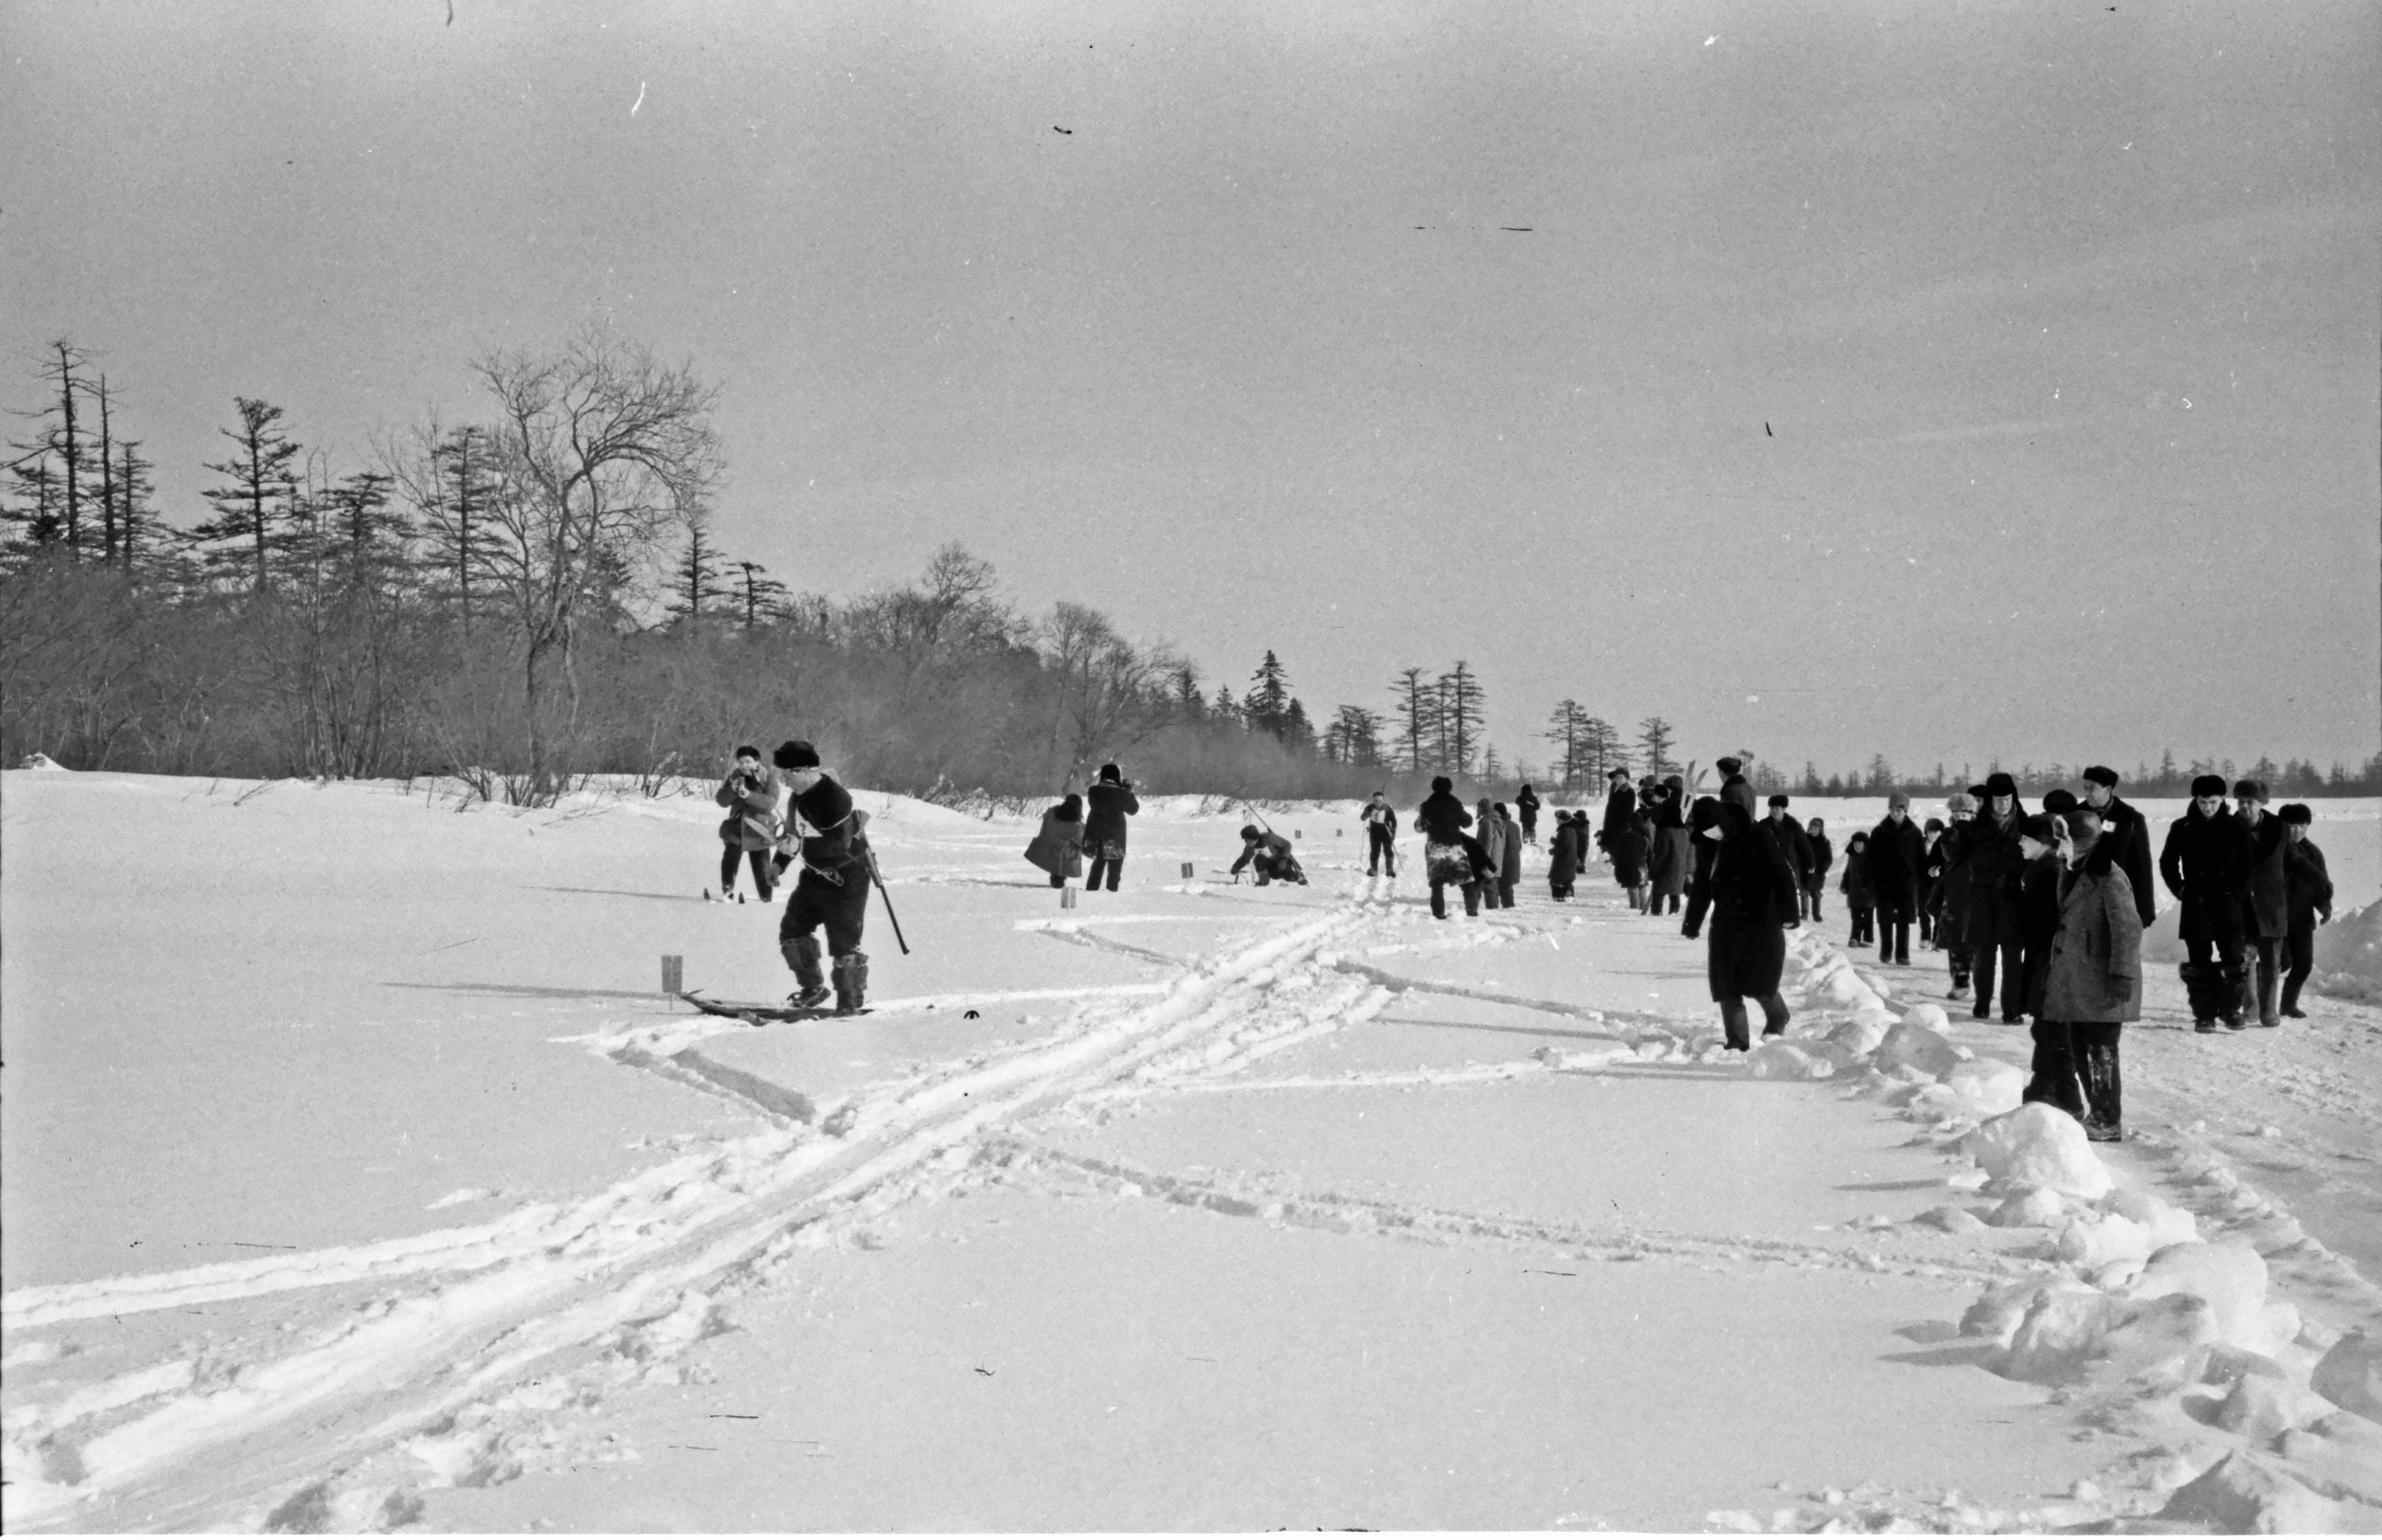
pixel 750 831
pixel 1109 803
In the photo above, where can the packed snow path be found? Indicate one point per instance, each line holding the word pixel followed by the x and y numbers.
pixel 1437 1126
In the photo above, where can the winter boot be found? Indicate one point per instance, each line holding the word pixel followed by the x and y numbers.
pixel 802 954
pixel 1775 1016
pixel 2234 998
pixel 2053 1075
pixel 2198 989
pixel 2292 1000
pixel 2102 1122
pixel 1733 1026
pixel 2269 980
pixel 851 983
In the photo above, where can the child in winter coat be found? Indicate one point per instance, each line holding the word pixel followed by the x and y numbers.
pixel 1815 882
pixel 1857 898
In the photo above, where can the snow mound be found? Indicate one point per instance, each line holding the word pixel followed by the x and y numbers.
pixel 2231 1279
pixel 1930 1016
pixel 2349 955
pixel 2350 1375
pixel 1928 1052
pixel 1993 1086
pixel 2245 1494
pixel 1859 1036
pixel 2030 1207
pixel 39 761
pixel 2037 1146
pixel 1781 1060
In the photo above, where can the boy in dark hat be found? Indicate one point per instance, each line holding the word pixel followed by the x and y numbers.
pixel 1897 859
pixel 2311 901
pixel 2206 863
pixel 2266 899
pixel 829 835
pixel 1994 867
pixel 2126 834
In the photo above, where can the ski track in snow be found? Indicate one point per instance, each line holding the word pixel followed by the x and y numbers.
pixel 495 1340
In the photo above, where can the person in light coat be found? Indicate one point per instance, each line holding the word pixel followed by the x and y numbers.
pixel 2094 982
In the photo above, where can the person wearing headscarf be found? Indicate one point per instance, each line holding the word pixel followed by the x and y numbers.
pixel 2206 863
pixel 2093 984
pixel 2310 900
pixel 1753 906
pixel 1058 847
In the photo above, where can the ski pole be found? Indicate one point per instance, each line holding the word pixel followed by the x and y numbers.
pixel 887 897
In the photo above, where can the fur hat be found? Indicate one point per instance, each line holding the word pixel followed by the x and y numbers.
pixel 1978 792
pixel 2207 785
pixel 2296 812
pixel 746 751
pixel 1935 826
pixel 2249 791
pixel 1111 773
pixel 1999 784
pixel 1819 823
pixel 2082 822
pixel 1621 771
pixel 1728 764
pixel 2059 799
pixel 2101 775
pixel 1777 800
pixel 1441 783
pixel 794 754
pixel 1961 802
pixel 2039 827
pixel 1250 832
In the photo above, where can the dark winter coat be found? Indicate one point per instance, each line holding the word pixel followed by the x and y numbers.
pixel 1854 884
pixel 1897 859
pixel 2038 922
pixel 2095 972
pixel 1564 854
pixel 1058 847
pixel 2123 826
pixel 1108 804
pixel 1753 903
pixel 1994 864
pixel 1442 819
pixel 1952 887
pixel 1703 815
pixel 832 845
pixel 1525 803
pixel 1381 815
pixel 1628 848
pixel 2206 863
pixel 751 801
pixel 2267 912
pixel 1793 845
pixel 2311 884
pixel 1667 855
pixel 1620 812
pixel 1737 789
pixel 1823 858
pixel 1269 848
pixel 1509 870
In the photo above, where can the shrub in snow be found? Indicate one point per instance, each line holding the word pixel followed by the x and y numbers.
pixel 2033 1206
pixel 1992 1086
pixel 2350 1375
pixel 2244 1493
pixel 1917 1046
pixel 2037 1146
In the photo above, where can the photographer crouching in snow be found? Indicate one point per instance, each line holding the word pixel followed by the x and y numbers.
pixel 1268 854
pixel 827 834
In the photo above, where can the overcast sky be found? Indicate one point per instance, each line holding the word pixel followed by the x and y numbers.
pixel 1949 381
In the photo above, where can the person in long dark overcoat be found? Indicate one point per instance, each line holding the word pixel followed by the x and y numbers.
pixel 2311 901
pixel 1703 819
pixel 1490 833
pixel 1526 808
pixel 1896 858
pixel 1792 843
pixel 1952 893
pixel 1823 860
pixel 1620 808
pixel 749 832
pixel 2265 907
pixel 1509 864
pixel 1752 905
pixel 1733 787
pixel 2206 864
pixel 1108 804
pixel 2093 984
pixel 1994 867
pixel 2128 834
pixel 2038 904
pixel 1859 905
pixel 1626 848
pixel 1564 848
pixel 1667 855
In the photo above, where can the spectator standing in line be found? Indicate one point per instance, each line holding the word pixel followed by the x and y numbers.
pixel 1854 885
pixel 1509 863
pixel 2093 984
pixel 1667 855
pixel 1564 848
pixel 1752 905
pixel 1931 882
pixel 1994 864
pixel 1525 805
pixel 2311 901
pixel 1896 858
pixel 2265 898
pixel 2128 832
pixel 1952 893
pixel 2206 864
pixel 1793 845
pixel 1823 858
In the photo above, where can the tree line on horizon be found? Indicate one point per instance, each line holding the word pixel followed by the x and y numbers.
pixel 534 594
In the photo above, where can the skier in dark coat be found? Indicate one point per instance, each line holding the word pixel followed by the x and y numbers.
pixel 1994 867
pixel 2206 863
pixel 1442 821
pixel 1752 905
pixel 1526 808
pixel 829 836
pixel 1267 855
pixel 1380 822
pixel 1896 858
pixel 1823 858
pixel 1859 902
pixel 1112 802
pixel 2265 908
pixel 2128 835
pixel 2310 895
pixel 750 830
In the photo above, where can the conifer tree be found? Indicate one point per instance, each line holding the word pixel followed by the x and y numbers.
pixel 259 495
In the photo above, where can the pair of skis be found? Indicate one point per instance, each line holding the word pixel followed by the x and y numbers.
pixel 756 1013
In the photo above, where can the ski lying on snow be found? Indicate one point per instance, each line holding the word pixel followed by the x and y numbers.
pixel 753 1011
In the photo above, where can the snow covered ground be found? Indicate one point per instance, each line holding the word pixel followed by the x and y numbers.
pixel 358 1177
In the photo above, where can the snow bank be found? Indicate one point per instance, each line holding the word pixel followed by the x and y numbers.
pixel 2349 955
pixel 2038 1146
